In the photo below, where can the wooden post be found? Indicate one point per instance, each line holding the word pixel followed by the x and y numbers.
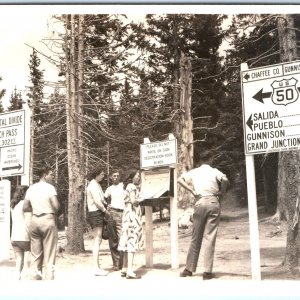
pixel 148 228
pixel 174 224
pixel 252 208
pixel 27 178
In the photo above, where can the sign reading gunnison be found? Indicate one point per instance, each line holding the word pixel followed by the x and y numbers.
pixel 271 108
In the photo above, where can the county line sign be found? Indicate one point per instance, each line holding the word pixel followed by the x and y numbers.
pixel 12 143
pixel 271 108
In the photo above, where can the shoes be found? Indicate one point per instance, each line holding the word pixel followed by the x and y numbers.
pixel 116 268
pixel 186 273
pixel 123 273
pixel 132 276
pixel 100 272
pixel 207 275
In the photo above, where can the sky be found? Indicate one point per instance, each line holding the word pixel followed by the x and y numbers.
pixel 30 24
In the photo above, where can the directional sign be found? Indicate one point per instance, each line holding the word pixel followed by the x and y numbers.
pixel 271 108
pixel 12 143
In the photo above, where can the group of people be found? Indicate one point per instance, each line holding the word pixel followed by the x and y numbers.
pixel 119 205
pixel 34 227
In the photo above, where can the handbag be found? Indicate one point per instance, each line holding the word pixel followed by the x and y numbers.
pixel 105 232
pixel 108 230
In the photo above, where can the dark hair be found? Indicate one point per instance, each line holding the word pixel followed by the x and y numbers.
pixel 18 195
pixel 95 172
pixel 43 171
pixel 129 176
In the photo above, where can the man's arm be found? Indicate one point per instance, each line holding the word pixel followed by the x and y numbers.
pixel 55 204
pixel 183 183
pixel 27 206
pixel 224 186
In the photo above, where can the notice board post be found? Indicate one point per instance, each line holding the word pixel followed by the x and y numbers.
pixel 154 156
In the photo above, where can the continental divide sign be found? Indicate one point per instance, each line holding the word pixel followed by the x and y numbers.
pixel 271 108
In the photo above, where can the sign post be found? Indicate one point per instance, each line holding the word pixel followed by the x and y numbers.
pixel 153 156
pixel 271 113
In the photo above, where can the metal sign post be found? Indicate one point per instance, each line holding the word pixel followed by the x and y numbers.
pixel 252 208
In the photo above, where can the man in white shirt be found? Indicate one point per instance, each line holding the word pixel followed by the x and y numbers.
pixel 41 200
pixel 204 185
pixel 116 194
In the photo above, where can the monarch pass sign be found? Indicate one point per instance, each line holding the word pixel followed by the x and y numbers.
pixel 271 108
pixel 12 143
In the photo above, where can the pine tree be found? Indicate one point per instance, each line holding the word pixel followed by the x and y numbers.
pixel 15 101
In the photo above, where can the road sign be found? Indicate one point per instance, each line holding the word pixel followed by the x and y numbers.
pixel 12 143
pixel 158 154
pixel 271 108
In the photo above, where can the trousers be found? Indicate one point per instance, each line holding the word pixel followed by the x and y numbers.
pixel 114 242
pixel 206 219
pixel 44 237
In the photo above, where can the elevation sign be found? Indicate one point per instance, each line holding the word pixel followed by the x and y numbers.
pixel 12 143
pixel 271 108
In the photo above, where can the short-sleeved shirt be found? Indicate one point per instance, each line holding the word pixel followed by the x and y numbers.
pixel 39 195
pixel 18 231
pixel 117 194
pixel 204 179
pixel 95 196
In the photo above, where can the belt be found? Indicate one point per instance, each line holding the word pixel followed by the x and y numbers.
pixel 117 209
pixel 41 215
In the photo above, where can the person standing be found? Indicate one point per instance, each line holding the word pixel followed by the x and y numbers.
pixel 20 240
pixel 41 200
pixel 204 186
pixel 131 239
pixel 116 194
pixel 97 212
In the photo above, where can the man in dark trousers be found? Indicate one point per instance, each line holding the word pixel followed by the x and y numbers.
pixel 207 185
pixel 41 200
pixel 116 194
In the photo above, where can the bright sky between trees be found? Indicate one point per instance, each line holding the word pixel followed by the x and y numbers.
pixel 30 24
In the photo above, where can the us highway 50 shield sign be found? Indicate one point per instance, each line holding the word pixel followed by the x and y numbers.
pixel 271 108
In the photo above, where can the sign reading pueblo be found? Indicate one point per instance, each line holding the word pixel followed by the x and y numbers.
pixel 271 108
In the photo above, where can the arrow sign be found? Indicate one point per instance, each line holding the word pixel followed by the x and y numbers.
pixel 246 76
pixel 260 96
pixel 250 122
pixel 12 168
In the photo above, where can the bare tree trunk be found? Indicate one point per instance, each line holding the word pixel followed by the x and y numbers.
pixel 288 165
pixel 186 147
pixel 75 230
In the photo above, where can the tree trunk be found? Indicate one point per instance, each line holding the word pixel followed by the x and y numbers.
pixel 75 243
pixel 186 147
pixel 288 164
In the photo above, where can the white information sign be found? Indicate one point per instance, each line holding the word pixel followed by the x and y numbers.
pixel 12 143
pixel 4 219
pixel 158 154
pixel 271 108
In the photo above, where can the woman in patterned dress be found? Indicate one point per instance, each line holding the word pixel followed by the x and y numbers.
pixel 131 239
